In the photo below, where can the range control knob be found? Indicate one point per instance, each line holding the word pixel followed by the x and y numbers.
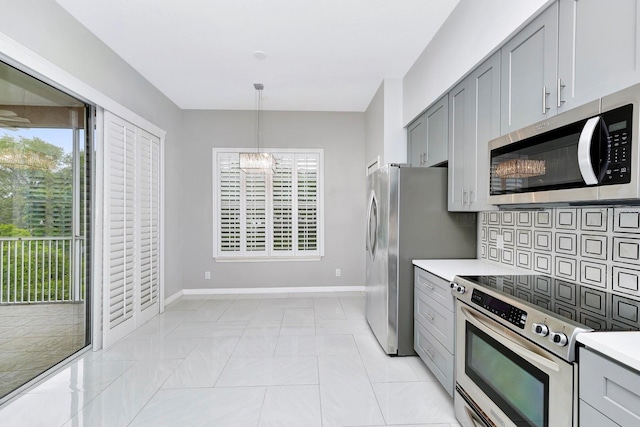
pixel 540 329
pixel 558 338
pixel 460 289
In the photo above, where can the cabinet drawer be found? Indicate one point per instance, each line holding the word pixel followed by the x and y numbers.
pixel 610 388
pixel 435 287
pixel 435 356
pixel 589 417
pixel 435 318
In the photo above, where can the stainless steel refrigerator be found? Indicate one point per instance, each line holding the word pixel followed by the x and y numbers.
pixel 407 219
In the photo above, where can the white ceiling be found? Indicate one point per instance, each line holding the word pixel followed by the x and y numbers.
pixel 322 55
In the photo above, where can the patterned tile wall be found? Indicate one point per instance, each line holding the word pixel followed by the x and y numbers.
pixel 595 246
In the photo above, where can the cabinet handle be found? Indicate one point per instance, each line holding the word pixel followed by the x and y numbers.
pixel 544 100
pixel 421 159
pixel 470 197
pixel 430 316
pixel 431 288
pixel 464 198
pixel 424 158
pixel 429 353
pixel 560 87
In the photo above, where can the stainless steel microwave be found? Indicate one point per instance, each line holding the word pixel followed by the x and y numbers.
pixel 587 155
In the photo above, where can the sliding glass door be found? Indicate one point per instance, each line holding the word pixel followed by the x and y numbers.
pixel 45 216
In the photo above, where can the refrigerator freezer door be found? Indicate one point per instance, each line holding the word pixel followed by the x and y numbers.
pixel 380 290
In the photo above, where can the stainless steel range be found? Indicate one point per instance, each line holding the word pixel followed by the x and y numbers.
pixel 516 346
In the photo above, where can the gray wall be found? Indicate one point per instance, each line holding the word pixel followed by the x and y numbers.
pixel 374 127
pixel 341 135
pixel 45 28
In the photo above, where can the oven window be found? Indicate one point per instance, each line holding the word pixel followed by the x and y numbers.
pixel 517 387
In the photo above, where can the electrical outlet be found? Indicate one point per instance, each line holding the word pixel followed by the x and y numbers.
pixel 338 272
pixel 500 241
pixel 207 275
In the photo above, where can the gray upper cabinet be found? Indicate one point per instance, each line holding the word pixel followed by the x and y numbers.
pixel 598 49
pixel 529 68
pixel 427 136
pixel 474 120
pixel 417 141
pixel 437 117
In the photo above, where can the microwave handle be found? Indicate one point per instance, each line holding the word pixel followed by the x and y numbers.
pixel 584 151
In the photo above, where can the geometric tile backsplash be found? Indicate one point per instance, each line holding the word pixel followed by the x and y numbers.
pixel 595 246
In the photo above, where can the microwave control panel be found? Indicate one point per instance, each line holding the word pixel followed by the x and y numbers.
pixel 617 134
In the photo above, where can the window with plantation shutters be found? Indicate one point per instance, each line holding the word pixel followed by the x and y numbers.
pixel 270 216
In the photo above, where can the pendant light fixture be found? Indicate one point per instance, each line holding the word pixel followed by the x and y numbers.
pixel 258 163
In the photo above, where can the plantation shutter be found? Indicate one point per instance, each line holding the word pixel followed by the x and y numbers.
pixel 149 188
pixel 132 228
pixel 229 223
pixel 255 212
pixel 308 203
pixel 282 242
pixel 120 235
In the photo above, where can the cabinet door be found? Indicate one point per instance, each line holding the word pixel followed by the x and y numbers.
pixel 598 49
pixel 417 141
pixel 474 120
pixel 484 83
pixel 437 117
pixel 459 145
pixel 529 69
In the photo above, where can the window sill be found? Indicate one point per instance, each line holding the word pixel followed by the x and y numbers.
pixel 268 259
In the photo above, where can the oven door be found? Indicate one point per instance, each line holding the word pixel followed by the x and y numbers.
pixel 512 381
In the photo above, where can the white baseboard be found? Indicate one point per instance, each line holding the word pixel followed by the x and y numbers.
pixel 285 290
pixel 173 297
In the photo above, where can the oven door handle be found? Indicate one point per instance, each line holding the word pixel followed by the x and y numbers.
pixel 474 418
pixel 513 343
pixel 584 151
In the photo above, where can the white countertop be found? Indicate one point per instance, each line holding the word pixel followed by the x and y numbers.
pixel 621 346
pixel 449 268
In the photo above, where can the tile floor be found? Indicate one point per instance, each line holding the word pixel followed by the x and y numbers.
pixel 272 360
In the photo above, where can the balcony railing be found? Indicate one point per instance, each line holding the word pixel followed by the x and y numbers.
pixel 39 270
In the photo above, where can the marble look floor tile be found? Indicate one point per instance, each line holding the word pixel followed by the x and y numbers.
pixel 380 366
pixel 52 409
pixel 298 329
pixel 186 304
pixel 328 309
pixel 316 345
pixel 422 371
pixel 208 329
pixel 87 376
pixel 342 326
pixel 298 316
pixel 301 302
pixel 258 371
pixel 202 408
pixel 256 346
pixel 291 406
pixel 150 348
pixel 129 394
pixel 204 364
pixel 265 328
pixel 414 403
pixel 346 393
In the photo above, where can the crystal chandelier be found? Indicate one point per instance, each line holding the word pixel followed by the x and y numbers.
pixel 258 163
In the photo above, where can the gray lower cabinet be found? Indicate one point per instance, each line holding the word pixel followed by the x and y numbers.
pixel 434 325
pixel 609 392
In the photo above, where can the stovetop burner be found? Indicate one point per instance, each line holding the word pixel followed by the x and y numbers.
pixel 594 308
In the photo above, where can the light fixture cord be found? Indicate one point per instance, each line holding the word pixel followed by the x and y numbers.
pixel 258 116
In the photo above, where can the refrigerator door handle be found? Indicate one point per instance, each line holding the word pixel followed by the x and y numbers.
pixel 372 226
